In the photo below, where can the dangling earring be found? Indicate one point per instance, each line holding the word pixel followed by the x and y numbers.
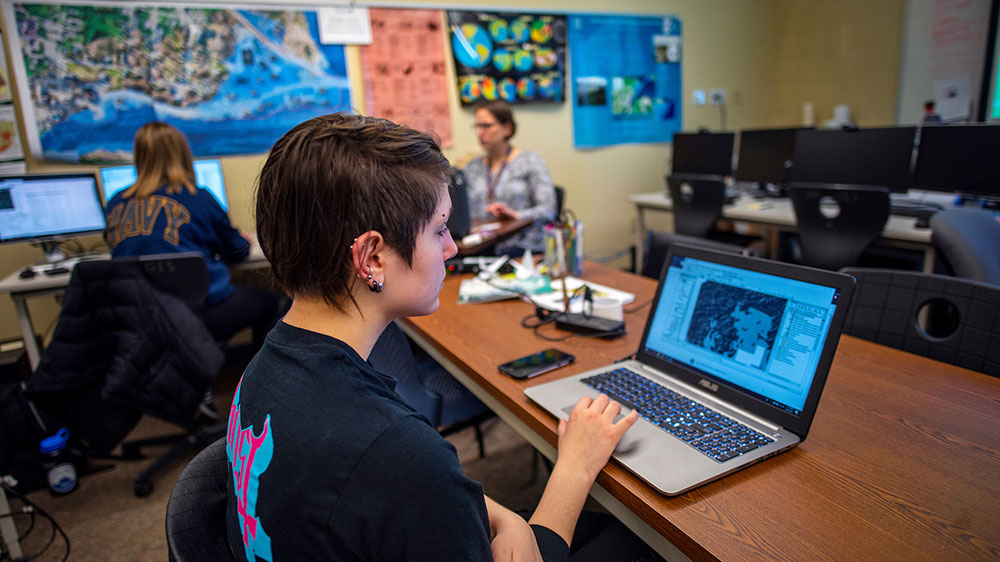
pixel 376 287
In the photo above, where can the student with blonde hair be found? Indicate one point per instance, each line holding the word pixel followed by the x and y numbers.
pixel 165 211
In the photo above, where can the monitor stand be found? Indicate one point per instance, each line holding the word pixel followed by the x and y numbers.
pixel 53 253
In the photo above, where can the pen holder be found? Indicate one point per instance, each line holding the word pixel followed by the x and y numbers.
pixel 571 237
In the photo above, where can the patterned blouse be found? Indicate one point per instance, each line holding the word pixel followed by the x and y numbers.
pixel 525 186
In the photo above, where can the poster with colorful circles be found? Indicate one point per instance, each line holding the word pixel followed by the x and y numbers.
pixel 518 58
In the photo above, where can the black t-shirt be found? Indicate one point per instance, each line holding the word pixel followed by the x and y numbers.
pixel 327 462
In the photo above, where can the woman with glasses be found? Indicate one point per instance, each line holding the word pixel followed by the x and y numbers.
pixel 507 182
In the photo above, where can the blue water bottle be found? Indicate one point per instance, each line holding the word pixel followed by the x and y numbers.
pixel 60 472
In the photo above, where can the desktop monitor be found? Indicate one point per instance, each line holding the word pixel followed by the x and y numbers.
pixel 767 155
pixel 703 153
pixel 207 174
pixel 880 157
pixel 49 208
pixel 959 159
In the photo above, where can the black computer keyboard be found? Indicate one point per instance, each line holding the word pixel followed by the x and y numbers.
pixel 917 210
pixel 716 435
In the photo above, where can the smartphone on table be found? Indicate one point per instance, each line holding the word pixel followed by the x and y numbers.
pixel 536 363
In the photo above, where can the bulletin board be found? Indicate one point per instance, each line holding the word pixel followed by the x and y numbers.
pixel 232 80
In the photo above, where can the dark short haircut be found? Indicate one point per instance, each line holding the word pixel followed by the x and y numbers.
pixel 333 178
pixel 929 103
pixel 501 111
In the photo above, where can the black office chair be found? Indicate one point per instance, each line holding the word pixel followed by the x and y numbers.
pixel 196 511
pixel 945 318
pixel 658 245
pixel 967 243
pixel 560 199
pixel 697 205
pixel 833 242
pixel 427 387
pixel 129 341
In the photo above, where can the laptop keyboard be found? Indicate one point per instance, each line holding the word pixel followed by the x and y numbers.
pixel 717 436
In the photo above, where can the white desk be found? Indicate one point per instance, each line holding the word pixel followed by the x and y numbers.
pixel 42 285
pixel 777 213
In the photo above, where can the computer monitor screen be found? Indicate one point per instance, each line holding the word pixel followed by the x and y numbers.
pixel 766 155
pixel 49 207
pixel 207 174
pixel 879 157
pixel 703 153
pixel 959 159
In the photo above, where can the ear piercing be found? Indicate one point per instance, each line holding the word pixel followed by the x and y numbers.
pixel 376 287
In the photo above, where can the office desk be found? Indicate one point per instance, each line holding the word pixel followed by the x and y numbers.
pixel 507 229
pixel 42 285
pixel 902 461
pixel 777 213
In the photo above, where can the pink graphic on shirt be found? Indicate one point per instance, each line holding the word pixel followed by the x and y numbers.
pixel 249 456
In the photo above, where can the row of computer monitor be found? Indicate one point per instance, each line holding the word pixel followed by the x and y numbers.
pixel 55 206
pixel 957 159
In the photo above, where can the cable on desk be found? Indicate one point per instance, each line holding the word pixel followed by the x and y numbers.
pixel 31 508
pixel 637 307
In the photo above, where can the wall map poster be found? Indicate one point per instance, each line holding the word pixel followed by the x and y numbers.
pixel 631 93
pixel 233 81
pixel 517 58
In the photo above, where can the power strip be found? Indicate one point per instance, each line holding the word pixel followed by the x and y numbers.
pixel 590 325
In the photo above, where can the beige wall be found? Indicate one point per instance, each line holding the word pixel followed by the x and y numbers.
pixel 844 52
pixel 738 45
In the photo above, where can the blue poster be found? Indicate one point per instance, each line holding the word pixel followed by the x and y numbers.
pixel 232 80
pixel 630 93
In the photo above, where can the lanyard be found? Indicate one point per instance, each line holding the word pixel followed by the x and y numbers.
pixel 491 180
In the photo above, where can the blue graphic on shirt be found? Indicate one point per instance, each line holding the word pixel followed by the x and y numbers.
pixel 249 457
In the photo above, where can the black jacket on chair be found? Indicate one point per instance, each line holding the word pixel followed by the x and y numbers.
pixel 122 348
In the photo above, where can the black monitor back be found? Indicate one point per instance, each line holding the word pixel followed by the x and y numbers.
pixel 881 156
pixel 959 159
pixel 460 222
pixel 767 155
pixel 703 153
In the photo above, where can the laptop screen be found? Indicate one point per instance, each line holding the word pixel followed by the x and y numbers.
pixel 760 333
pixel 207 174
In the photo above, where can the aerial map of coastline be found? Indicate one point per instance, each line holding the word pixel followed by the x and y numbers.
pixel 232 80
pixel 736 323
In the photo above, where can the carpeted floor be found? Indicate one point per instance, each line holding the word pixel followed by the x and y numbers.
pixel 105 521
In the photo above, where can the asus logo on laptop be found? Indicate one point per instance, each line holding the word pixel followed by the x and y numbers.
pixel 709 385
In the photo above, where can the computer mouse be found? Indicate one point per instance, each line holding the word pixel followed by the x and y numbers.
pixel 27 273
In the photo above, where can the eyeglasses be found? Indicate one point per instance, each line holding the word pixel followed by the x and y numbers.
pixel 483 126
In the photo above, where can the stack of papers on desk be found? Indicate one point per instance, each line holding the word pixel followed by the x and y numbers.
pixel 554 300
pixel 500 288
pixel 544 294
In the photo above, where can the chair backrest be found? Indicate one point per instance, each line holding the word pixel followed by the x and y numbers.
pixel 968 240
pixel 183 275
pixel 196 511
pixel 946 318
pixel 460 221
pixel 392 355
pixel 833 242
pixel 697 202
pixel 658 244
pixel 560 199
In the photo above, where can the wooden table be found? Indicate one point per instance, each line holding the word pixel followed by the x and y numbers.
pixel 902 461
pixel 508 228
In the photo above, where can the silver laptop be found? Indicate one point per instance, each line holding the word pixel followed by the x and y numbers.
pixel 729 371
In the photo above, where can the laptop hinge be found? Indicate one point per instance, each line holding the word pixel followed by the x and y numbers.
pixel 713 400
